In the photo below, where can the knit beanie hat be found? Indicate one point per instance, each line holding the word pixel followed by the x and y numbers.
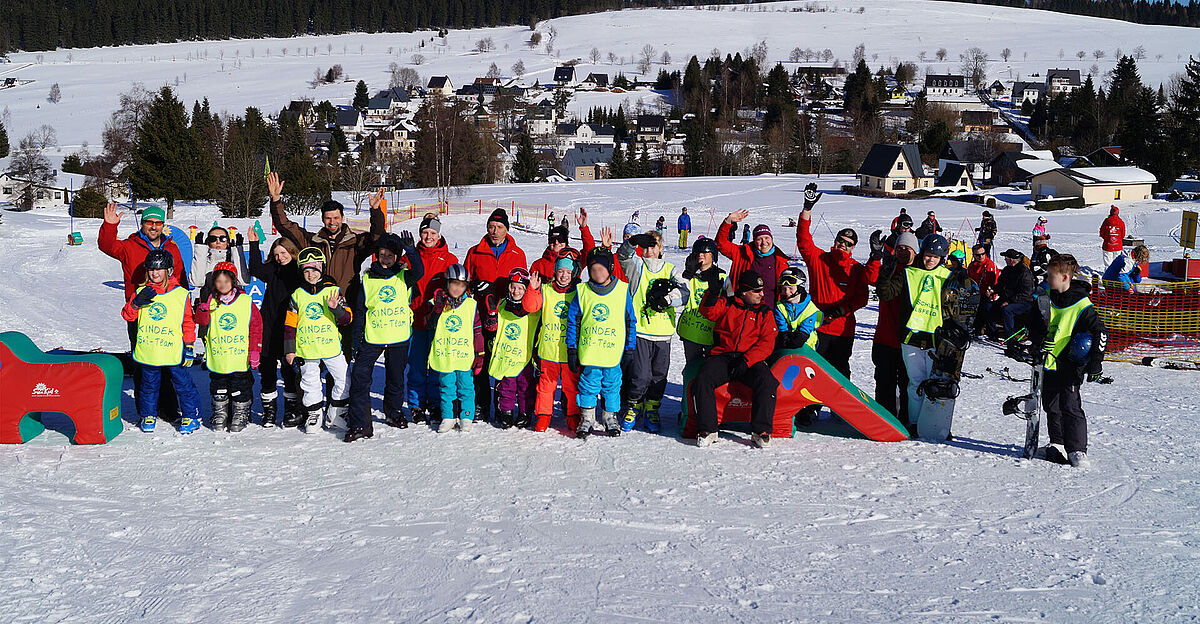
pixel 500 216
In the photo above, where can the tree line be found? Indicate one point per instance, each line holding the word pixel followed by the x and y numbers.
pixel 1164 12
pixel 50 24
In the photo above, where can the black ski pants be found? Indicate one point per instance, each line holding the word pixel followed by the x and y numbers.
pixel 1065 420
pixel 717 371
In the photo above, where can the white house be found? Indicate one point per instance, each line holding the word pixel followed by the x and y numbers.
pixel 952 85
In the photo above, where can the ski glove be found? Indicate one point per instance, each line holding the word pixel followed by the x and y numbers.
pixel 793 339
pixel 691 266
pixel 479 286
pixel 477 366
pixel 573 360
pixel 1099 378
pixel 811 196
pixel 189 355
pixel 143 297
pixel 876 244
pixel 407 241
pixel 737 364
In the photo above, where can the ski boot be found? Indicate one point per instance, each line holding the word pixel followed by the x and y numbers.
pixel 806 415
pixel 761 440
pixel 1054 453
pixel 521 420
pixel 504 419
pixel 630 413
pixel 357 434
pixel 541 422
pixel 335 416
pixel 312 421
pixel 220 414
pixel 434 414
pixel 147 424
pixel 653 423
pixel 188 425
pixel 419 414
pixel 612 424
pixel 587 420
pixel 465 421
pixel 293 411
pixel 1079 459
pixel 704 438
pixel 241 416
pixel 270 403
pixel 394 416
pixel 447 425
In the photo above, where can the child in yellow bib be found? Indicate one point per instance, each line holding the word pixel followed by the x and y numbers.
pixel 163 346
pixel 233 344
pixel 311 339
pixel 457 349
pixel 511 365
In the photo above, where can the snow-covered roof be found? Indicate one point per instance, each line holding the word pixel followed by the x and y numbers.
pixel 1036 166
pixel 1112 175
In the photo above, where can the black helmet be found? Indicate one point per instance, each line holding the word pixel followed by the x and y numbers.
pixel 705 245
pixel 793 276
pixel 457 272
pixel 935 244
pixel 159 259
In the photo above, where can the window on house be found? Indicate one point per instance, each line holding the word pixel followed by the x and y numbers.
pixel 899 185
pixel 1117 194
pixel 866 183
pixel 878 184
pixel 57 195
pixel 899 165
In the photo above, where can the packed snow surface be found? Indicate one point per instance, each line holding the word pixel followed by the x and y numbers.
pixel 516 526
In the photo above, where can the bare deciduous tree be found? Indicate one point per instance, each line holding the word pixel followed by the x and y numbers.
pixel 940 54
pixel 55 93
pixel 594 55
pixel 518 68
pixel 1005 54
pixel 418 59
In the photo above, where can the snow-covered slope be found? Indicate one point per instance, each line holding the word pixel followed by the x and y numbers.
pixel 513 526
pixel 268 73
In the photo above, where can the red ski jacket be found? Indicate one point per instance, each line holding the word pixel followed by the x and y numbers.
pixel 1112 231
pixel 436 260
pixel 132 254
pixel 985 274
pixel 836 281
pixel 741 328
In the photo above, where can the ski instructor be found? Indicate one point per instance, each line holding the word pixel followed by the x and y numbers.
pixel 344 248
pixel 131 252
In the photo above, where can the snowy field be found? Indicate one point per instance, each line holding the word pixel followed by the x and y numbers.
pixel 515 526
pixel 267 73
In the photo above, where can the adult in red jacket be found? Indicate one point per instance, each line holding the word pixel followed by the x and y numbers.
pixel 743 337
pixel 1112 233
pixel 891 378
pixel 760 254
pixel 131 252
pixel 488 265
pixel 984 272
pixel 837 283
pixel 423 392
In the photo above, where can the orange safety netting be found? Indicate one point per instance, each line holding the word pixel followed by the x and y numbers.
pixel 1160 320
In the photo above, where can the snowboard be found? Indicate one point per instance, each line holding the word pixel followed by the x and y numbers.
pixel 1029 408
pixel 940 390
pixel 962 304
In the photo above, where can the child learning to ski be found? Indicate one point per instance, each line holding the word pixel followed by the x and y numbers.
pixel 699 269
pixel 311 338
pixel 1074 351
pixel 387 314
pixel 796 316
pixel 163 345
pixel 556 298
pixel 601 328
pixel 456 353
pixel 232 346
pixel 511 364
pixel 656 291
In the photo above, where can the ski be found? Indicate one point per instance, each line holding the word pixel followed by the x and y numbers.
pixel 971 375
pixel 1029 408
pixel 1005 373
pixel 1169 363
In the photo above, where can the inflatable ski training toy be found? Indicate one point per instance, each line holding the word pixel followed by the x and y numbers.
pixel 805 378
pixel 87 388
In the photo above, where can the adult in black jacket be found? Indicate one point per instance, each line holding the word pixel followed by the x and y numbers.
pixel 282 276
pixel 1014 292
pixel 1042 255
pixel 987 232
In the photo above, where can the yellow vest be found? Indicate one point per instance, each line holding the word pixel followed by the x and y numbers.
pixel 160 329
pixel 925 295
pixel 794 323
pixel 227 342
pixel 512 349
pixel 317 334
pixel 552 343
pixel 602 328
pixel 1061 327
pixel 389 316
pixel 453 347
pixel 650 322
pixel 692 324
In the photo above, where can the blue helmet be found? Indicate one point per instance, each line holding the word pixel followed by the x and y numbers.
pixel 1079 349
pixel 935 244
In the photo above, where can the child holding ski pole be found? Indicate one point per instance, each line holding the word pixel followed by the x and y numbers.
pixel 232 346
pixel 1074 351
pixel 163 343
pixel 456 353
pixel 311 338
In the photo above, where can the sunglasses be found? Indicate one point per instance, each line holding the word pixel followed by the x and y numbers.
pixel 753 290
pixel 843 242
pixel 217 239
pixel 977 255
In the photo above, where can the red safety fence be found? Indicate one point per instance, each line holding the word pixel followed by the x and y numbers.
pixel 1160 320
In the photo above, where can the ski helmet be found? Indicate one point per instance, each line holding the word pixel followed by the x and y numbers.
pixel 792 276
pixel 904 221
pixel 519 275
pixel 226 267
pixel 705 245
pixel 159 259
pixel 935 244
pixel 457 272
pixel 1079 348
pixel 311 258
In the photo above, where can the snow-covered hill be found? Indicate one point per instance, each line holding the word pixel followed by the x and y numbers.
pixel 514 526
pixel 268 73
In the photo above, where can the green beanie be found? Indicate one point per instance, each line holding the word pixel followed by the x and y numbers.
pixel 155 213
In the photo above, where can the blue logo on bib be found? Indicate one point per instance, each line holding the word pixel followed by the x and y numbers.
pixel 600 313
pixel 158 311
pixel 314 311
pixel 387 294
pixel 512 331
pixel 453 324
pixel 226 321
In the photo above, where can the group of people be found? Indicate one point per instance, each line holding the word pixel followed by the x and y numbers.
pixel 493 337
